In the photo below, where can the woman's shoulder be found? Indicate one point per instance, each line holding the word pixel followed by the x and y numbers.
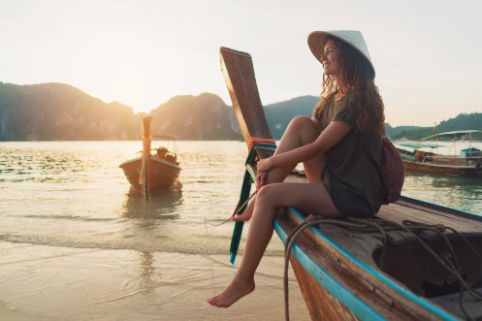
pixel 345 109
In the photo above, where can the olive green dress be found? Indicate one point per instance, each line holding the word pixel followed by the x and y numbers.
pixel 351 176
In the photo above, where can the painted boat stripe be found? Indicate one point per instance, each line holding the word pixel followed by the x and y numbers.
pixel 440 165
pixel 406 293
pixel 362 310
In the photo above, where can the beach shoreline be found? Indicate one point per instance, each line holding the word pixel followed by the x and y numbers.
pixel 39 282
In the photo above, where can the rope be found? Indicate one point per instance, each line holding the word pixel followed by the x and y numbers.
pixel 237 211
pixel 382 226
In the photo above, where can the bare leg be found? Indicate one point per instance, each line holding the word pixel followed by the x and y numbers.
pixel 308 197
pixel 301 130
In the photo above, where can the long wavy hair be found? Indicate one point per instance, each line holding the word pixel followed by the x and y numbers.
pixel 364 98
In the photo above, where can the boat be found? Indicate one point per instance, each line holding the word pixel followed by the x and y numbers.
pixel 467 163
pixel 385 268
pixel 151 171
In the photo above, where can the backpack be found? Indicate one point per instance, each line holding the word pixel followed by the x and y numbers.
pixel 390 170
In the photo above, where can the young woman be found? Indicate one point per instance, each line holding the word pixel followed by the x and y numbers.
pixel 338 147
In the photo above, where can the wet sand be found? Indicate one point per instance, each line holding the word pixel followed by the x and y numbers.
pixel 56 283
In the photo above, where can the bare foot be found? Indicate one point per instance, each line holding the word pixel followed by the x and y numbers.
pixel 247 213
pixel 232 293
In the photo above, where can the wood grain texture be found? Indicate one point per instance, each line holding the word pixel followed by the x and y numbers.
pixel 320 303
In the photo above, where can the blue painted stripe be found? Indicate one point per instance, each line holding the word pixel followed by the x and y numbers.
pixel 404 292
pixel 362 310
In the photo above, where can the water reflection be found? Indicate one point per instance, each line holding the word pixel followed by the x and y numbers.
pixel 147 269
pixel 161 204
pixel 442 180
pixel 464 193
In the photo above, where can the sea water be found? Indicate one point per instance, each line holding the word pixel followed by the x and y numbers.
pixel 76 243
pixel 73 194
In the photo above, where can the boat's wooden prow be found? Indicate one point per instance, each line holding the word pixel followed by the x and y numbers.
pixel 238 72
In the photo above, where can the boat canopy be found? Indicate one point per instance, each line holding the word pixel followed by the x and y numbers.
pixel 456 133
pixel 418 145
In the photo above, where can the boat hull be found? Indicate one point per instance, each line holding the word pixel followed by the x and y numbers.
pixel 459 170
pixel 161 173
pixel 320 303
pixel 343 283
pixel 441 164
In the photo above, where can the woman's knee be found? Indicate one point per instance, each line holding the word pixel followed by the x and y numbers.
pixel 267 193
pixel 305 126
pixel 301 121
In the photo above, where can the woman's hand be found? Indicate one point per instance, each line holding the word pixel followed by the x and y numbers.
pixel 261 178
pixel 264 165
pixel 263 168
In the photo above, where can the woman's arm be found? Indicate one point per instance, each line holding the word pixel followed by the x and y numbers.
pixel 328 138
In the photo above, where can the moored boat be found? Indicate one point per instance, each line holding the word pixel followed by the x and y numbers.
pixel 151 171
pixel 379 269
pixel 468 163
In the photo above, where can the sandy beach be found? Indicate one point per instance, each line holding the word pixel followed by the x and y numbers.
pixel 54 283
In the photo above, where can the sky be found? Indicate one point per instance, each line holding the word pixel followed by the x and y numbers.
pixel 427 54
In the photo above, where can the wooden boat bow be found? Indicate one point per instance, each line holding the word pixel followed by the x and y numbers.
pixel 347 275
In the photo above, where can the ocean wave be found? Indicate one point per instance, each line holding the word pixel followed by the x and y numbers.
pixel 70 218
pixel 172 246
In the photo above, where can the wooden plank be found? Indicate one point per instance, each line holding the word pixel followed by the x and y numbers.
pixel 401 211
pixel 239 75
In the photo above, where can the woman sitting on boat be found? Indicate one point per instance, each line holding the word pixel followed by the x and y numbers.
pixel 338 147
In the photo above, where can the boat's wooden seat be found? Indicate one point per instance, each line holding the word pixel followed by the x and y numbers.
pixel 403 210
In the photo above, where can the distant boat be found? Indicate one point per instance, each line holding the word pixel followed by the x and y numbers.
pixel 346 272
pixel 151 171
pixel 467 163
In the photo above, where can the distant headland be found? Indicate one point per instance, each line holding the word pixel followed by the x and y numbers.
pixel 56 111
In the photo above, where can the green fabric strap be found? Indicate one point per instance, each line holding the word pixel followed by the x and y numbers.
pixel 244 195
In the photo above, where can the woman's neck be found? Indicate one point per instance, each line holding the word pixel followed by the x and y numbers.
pixel 341 88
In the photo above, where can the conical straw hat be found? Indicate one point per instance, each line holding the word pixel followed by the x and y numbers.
pixel 354 38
